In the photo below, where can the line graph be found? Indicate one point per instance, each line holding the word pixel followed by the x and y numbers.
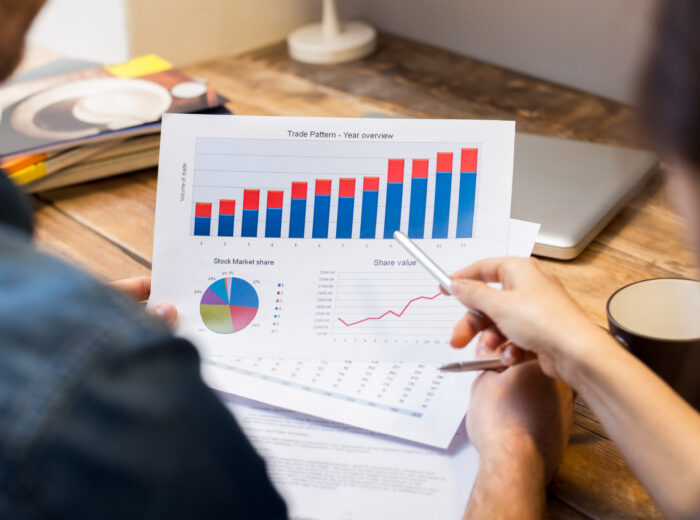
pixel 386 304
pixel 387 313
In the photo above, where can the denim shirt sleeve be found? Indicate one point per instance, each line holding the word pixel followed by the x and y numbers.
pixel 14 206
pixel 103 414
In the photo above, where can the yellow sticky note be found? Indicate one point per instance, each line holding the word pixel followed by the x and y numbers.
pixel 141 66
pixel 29 174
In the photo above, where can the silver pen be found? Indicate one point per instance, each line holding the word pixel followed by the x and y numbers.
pixel 446 283
pixel 416 252
pixel 477 364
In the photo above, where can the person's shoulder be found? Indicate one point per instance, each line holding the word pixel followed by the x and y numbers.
pixel 50 306
pixel 57 324
pixel 107 402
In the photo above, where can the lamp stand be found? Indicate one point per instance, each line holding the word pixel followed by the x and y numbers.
pixel 330 41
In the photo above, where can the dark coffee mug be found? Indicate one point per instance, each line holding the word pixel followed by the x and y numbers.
pixel 659 322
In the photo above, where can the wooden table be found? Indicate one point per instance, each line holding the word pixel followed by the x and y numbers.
pixel 107 226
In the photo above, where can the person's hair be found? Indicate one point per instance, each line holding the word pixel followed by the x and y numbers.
pixel 670 86
pixel 15 18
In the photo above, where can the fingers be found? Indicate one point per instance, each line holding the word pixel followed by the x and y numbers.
pixel 138 288
pixel 167 312
pixel 477 295
pixel 493 342
pixel 489 342
pixel 513 355
pixel 467 328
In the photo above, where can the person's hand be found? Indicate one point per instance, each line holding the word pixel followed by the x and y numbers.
pixel 519 409
pixel 532 312
pixel 140 290
pixel 519 421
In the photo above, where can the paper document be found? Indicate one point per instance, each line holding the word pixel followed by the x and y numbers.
pixel 407 400
pixel 325 471
pixel 273 235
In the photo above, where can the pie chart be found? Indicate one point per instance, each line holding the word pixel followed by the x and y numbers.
pixel 229 305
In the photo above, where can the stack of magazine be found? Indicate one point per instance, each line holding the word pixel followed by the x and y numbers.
pixel 70 122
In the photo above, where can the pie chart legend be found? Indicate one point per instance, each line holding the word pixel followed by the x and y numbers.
pixel 229 305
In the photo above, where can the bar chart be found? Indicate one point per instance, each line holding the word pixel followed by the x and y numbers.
pixel 350 191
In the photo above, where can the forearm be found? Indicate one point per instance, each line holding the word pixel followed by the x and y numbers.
pixel 510 484
pixel 657 432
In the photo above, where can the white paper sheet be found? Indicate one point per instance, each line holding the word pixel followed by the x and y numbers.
pixel 406 400
pixel 334 298
pixel 326 471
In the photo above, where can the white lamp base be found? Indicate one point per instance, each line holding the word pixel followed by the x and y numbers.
pixel 309 44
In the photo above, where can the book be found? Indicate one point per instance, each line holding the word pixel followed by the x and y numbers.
pixel 51 114
pixel 119 157
pixel 134 154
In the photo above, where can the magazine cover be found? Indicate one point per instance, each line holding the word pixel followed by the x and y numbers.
pixel 55 113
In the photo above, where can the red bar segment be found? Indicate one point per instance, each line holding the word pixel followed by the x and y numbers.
pixel 227 207
pixel 370 184
pixel 202 209
pixel 299 190
pixel 444 162
pixel 395 170
pixel 275 198
pixel 323 187
pixel 469 157
pixel 347 187
pixel 251 199
pixel 420 169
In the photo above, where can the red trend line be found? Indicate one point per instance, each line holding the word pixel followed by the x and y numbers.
pixel 389 312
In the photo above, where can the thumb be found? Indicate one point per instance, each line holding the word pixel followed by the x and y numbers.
pixel 167 312
pixel 477 295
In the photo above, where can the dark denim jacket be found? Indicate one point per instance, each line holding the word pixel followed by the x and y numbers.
pixel 103 413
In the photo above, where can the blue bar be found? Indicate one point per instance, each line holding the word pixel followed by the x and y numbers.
pixel 392 214
pixel 441 213
pixel 225 225
pixel 249 226
pixel 322 211
pixel 273 223
pixel 465 210
pixel 202 225
pixel 297 218
pixel 346 206
pixel 416 215
pixel 368 224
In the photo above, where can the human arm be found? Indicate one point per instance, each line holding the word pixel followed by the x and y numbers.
pixel 143 437
pixel 110 416
pixel 509 485
pixel 519 421
pixel 657 432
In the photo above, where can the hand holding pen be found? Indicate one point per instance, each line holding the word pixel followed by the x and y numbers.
pixel 509 352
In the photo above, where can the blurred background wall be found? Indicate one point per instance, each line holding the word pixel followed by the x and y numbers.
pixel 191 30
pixel 183 31
pixel 93 30
pixel 594 45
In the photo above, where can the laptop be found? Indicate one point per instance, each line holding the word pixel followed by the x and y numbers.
pixel 574 189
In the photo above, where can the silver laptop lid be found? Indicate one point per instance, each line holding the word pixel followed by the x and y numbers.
pixel 573 188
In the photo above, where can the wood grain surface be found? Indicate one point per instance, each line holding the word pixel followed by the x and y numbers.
pixel 107 226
